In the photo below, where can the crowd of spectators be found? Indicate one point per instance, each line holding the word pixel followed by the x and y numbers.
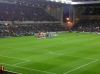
pixel 19 30
pixel 90 22
pixel 87 25
pixel 92 11
pixel 17 12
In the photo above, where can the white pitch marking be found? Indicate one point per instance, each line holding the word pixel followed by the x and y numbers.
pixel 56 53
pixel 75 56
pixel 38 50
pixel 20 63
pixel 42 50
pixel 12 57
pixel 28 48
pixel 80 67
pixel 48 51
pixel 13 72
pixel 31 50
pixel 28 68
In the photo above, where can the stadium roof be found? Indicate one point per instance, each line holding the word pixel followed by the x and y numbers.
pixel 59 3
pixel 46 2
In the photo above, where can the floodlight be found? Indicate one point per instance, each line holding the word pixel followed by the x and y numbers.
pixel 61 1
pixel 6 24
pixel 68 22
pixel 56 0
pixel 67 18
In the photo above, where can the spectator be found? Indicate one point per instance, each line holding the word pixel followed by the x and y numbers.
pixel 1 69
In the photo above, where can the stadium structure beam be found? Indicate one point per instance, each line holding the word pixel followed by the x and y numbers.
pixel 61 1
pixel 85 2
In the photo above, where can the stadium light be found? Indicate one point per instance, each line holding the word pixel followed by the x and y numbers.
pixel 61 1
pixel 67 19
pixel 56 0
pixel 6 24
pixel 69 22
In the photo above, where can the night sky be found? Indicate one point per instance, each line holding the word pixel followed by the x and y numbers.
pixel 66 9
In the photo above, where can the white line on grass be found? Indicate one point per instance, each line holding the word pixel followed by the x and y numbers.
pixel 80 67
pixel 74 56
pixel 12 57
pixel 38 50
pixel 42 50
pixel 18 59
pixel 28 68
pixel 31 50
pixel 13 72
pixel 20 63
pixel 28 48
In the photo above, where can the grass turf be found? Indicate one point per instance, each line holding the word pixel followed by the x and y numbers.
pixel 65 54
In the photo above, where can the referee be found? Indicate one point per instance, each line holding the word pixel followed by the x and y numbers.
pixel 1 69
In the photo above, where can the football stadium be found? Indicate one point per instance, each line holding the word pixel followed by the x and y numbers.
pixel 49 36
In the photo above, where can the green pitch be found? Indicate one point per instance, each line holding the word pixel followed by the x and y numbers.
pixel 65 54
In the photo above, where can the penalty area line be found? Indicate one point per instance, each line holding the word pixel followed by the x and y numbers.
pixel 39 50
pixel 13 57
pixel 80 67
pixel 75 56
pixel 12 72
pixel 20 63
pixel 29 68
